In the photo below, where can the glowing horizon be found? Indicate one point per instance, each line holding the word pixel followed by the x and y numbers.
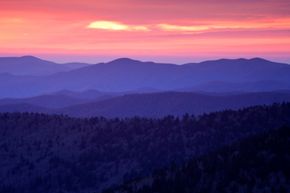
pixel 154 30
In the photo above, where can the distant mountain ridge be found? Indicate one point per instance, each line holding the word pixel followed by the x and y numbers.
pixel 143 105
pixel 124 74
pixel 171 103
pixel 46 101
pixel 30 65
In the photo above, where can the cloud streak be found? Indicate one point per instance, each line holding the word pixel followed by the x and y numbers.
pixel 116 26
pixel 280 24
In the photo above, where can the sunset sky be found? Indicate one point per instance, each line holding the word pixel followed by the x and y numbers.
pixel 161 30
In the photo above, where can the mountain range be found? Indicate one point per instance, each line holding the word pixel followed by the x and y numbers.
pixel 125 75
pixel 142 127
pixel 152 105
pixel 30 65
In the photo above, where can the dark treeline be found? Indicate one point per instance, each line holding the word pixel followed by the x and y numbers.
pixel 259 164
pixel 58 154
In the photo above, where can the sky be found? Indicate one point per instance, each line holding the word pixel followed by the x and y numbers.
pixel 176 31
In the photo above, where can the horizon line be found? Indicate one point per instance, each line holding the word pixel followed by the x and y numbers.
pixel 50 59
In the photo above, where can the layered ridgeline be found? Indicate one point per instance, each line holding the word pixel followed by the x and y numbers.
pixel 51 153
pixel 152 105
pixel 34 76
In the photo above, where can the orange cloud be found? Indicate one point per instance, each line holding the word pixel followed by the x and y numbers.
pixel 217 26
pixel 266 24
pixel 170 27
pixel 116 26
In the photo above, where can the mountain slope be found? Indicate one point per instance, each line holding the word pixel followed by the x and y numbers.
pixel 259 86
pixel 125 74
pixel 23 107
pixel 93 103
pixel 87 94
pixel 30 65
pixel 51 153
pixel 171 103
pixel 46 101
pixel 255 164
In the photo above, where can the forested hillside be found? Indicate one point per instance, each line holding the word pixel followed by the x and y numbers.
pixel 52 153
pixel 257 164
pixel 149 105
